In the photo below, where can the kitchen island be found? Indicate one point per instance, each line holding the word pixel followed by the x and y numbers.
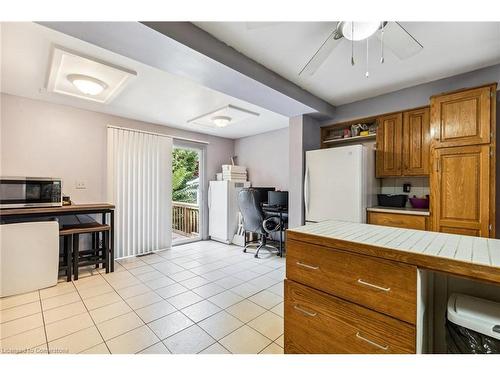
pixel 361 288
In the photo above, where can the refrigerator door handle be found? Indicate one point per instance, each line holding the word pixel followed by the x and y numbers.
pixel 306 191
pixel 209 196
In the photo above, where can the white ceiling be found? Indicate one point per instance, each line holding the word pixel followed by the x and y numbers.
pixel 450 48
pixel 153 96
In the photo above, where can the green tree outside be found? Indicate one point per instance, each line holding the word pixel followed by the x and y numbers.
pixel 185 175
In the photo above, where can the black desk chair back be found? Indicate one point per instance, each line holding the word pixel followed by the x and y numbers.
pixel 254 219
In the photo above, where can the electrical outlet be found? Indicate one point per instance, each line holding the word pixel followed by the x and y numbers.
pixel 80 184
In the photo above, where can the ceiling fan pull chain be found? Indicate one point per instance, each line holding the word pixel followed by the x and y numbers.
pixel 382 45
pixel 352 43
pixel 367 74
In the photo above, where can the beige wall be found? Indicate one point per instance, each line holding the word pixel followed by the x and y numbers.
pixel 44 139
pixel 266 158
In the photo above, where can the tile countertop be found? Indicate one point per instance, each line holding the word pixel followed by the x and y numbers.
pixel 473 257
pixel 400 210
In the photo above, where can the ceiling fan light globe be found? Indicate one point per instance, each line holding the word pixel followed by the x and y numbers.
pixel 359 30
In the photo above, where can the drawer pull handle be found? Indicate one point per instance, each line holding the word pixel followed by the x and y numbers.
pixel 374 286
pixel 304 311
pixel 383 347
pixel 307 266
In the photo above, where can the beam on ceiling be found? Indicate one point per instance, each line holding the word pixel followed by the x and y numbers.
pixel 198 39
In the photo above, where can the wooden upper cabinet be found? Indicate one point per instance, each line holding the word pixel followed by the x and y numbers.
pixel 462 118
pixel 416 142
pixel 389 145
pixel 460 190
pixel 403 144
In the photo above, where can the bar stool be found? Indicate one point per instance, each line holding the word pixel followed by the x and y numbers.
pixel 66 263
pixel 98 254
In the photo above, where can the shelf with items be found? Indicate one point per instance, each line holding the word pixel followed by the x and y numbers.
pixel 359 138
pixel 353 131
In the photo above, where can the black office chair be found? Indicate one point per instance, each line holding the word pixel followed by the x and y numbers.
pixel 254 219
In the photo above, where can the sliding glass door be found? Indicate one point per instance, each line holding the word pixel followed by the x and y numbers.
pixel 187 192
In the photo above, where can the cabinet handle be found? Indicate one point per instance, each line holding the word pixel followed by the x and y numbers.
pixel 307 266
pixel 383 347
pixel 373 285
pixel 303 311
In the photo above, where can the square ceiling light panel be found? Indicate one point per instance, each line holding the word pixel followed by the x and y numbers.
pixel 222 117
pixel 86 78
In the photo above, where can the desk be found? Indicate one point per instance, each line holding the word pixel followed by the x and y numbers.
pixel 280 211
pixel 73 209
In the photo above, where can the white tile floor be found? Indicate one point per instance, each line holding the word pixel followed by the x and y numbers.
pixel 203 297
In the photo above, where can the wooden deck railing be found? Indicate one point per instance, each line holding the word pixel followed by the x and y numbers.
pixel 185 218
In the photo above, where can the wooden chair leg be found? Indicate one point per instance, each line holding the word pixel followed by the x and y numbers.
pixel 68 250
pixel 106 254
pixel 95 246
pixel 76 250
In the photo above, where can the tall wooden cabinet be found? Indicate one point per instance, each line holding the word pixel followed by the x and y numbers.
pixel 462 181
pixel 403 144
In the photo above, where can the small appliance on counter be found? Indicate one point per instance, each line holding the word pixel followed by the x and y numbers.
pixel 17 192
pixel 419 202
pixel 392 200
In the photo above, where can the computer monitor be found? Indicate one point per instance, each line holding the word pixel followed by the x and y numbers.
pixel 264 192
pixel 277 198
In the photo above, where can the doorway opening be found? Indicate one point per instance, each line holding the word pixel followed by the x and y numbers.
pixel 187 193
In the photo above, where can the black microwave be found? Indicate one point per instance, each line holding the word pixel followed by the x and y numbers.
pixel 18 192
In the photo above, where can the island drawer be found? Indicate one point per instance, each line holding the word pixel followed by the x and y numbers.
pixel 318 323
pixel 407 221
pixel 385 286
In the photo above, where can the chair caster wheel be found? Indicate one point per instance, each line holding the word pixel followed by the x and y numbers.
pixel 244 250
pixel 256 256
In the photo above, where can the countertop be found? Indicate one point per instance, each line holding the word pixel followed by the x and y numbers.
pixel 400 210
pixel 472 257
pixel 60 210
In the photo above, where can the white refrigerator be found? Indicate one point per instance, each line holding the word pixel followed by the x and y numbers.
pixel 223 209
pixel 339 183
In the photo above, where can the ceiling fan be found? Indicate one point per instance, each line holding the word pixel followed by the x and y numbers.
pixel 390 34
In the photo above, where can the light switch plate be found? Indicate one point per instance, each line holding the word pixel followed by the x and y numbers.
pixel 80 184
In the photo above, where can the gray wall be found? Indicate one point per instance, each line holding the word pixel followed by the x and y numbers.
pixel 266 158
pixel 44 139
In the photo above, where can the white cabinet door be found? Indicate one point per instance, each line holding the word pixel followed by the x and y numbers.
pixel 218 210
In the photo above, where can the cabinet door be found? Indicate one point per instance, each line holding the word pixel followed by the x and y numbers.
pixel 389 144
pixel 462 118
pixel 416 142
pixel 460 190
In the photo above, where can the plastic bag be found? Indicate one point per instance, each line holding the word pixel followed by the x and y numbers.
pixel 461 340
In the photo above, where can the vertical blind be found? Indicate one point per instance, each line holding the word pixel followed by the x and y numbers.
pixel 140 186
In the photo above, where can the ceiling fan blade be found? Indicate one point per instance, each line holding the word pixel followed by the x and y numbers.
pixel 400 41
pixel 260 25
pixel 322 53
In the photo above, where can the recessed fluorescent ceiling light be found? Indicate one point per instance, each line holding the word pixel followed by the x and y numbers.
pixel 85 77
pixel 87 85
pixel 221 121
pixel 223 117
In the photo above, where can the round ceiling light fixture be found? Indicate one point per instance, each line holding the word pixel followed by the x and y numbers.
pixel 359 30
pixel 221 121
pixel 86 84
